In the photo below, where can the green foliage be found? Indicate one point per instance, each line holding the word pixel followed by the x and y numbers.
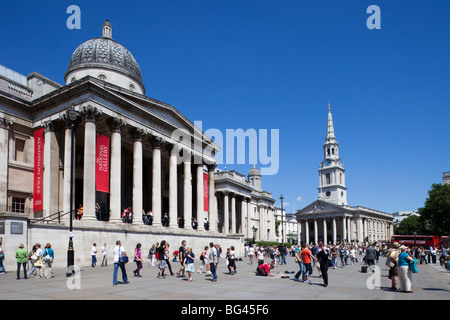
pixel 410 225
pixel 437 209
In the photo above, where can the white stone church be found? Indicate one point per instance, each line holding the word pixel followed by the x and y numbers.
pixel 330 219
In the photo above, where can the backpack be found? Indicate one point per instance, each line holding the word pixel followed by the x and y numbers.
pixel 202 256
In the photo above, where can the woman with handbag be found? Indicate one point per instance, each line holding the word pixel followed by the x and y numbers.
pixel 47 261
pixel 404 272
pixel 38 262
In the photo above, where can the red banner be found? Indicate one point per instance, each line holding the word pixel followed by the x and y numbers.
pixel 38 169
pixel 205 192
pixel 102 163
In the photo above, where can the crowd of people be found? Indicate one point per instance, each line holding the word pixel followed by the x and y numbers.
pixel 400 260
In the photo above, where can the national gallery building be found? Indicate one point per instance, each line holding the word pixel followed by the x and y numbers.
pixel 100 141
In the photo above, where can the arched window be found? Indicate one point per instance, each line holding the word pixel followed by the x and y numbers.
pixel 132 88
pixel 332 150
pixel 101 77
pixel 328 152
pixel 328 178
pixel 340 178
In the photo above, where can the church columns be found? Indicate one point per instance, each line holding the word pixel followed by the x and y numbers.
pixel 325 231
pixel 334 231
pixel 344 229
pixel 233 213
pixel 67 169
pixel 226 214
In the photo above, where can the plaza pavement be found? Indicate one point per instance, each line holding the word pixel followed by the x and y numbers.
pixel 348 283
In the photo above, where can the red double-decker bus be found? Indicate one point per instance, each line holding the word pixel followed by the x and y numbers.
pixel 418 241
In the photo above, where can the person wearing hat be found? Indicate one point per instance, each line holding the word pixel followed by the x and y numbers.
pixel 21 257
pixel 392 262
pixel 404 272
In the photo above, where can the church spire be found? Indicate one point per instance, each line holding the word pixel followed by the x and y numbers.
pixel 330 128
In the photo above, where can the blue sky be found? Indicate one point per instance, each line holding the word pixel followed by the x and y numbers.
pixel 275 65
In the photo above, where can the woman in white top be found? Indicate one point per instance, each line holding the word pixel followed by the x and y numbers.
pixel 38 262
pixel 251 253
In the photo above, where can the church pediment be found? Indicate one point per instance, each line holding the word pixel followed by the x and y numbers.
pixel 319 207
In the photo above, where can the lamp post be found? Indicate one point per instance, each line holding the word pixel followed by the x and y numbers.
pixel 282 221
pixel 254 229
pixel 72 118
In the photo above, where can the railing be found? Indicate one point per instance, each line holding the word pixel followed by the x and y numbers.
pixel 50 218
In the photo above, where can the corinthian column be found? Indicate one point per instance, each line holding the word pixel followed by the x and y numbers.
pixel 115 191
pixel 51 170
pixel 173 185
pixel 156 180
pixel 91 115
pixel 137 134
pixel 4 146
pixel 199 193
pixel 212 204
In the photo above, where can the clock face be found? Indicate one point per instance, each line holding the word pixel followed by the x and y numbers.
pixel 327 162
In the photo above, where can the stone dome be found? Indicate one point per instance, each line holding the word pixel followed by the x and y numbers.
pixel 254 172
pixel 105 53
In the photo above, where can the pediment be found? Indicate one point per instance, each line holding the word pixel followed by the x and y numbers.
pixel 319 207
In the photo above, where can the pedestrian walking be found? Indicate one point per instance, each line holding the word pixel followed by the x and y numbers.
pixel 120 259
pixel 404 272
pixel 182 258
pixel 188 263
pixel 2 257
pixel 298 259
pixel 392 263
pixel 212 257
pixel 371 255
pixel 167 258
pixel 322 258
pixel 152 255
pixel 162 264
pixel 21 257
pixel 138 260
pixel 307 257
pixel 204 259
pixel 104 255
pixel 94 255
pixel 47 261
pixel 251 253
pixel 232 261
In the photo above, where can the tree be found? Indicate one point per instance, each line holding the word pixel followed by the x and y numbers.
pixel 437 209
pixel 410 225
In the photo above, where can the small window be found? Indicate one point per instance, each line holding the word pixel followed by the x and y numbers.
pixel 328 194
pixel 20 151
pixel 132 88
pixel 328 177
pixel 101 77
pixel 18 205
pixel 73 79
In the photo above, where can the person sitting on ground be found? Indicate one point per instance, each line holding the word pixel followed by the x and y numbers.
pixel 264 270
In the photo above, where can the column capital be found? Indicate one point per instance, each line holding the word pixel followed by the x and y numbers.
pixel 5 123
pixel 90 113
pixel 172 148
pixel 212 166
pixel 156 142
pixel 137 134
pixel 48 126
pixel 116 124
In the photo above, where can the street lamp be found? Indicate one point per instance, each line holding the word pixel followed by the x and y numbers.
pixel 282 221
pixel 72 117
pixel 254 229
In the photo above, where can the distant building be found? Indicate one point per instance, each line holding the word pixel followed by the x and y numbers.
pixel 446 177
pixel 400 215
